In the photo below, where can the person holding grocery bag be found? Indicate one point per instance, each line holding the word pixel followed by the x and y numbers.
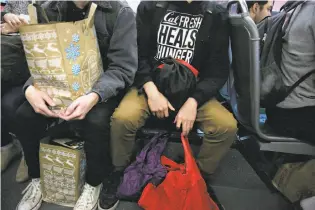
pixel 80 64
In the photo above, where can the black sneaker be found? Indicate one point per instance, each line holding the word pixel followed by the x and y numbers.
pixel 108 199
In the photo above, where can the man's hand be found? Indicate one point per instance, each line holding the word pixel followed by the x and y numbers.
pixel 14 21
pixel 5 28
pixel 157 102
pixel 186 116
pixel 39 101
pixel 80 107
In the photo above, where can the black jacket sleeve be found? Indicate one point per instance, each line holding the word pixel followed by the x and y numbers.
pixel 144 20
pixel 215 69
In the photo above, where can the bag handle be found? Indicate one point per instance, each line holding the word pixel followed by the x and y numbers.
pixel 189 159
pixel 32 11
pixel 90 19
pixel 176 62
pixel 188 153
pixel 170 164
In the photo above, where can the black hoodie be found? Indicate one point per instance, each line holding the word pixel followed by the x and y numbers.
pixel 176 37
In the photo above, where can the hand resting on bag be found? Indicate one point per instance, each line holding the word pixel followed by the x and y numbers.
pixel 39 101
pixel 5 29
pixel 79 108
pixel 15 21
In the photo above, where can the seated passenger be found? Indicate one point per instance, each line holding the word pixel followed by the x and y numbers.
pixel 14 16
pixel 14 73
pixel 91 111
pixel 201 108
pixel 295 116
pixel 258 10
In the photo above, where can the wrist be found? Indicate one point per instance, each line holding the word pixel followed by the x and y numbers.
pixel 95 97
pixel 193 102
pixel 150 89
pixel 29 89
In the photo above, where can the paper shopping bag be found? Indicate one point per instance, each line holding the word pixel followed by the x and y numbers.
pixel 63 58
pixel 62 171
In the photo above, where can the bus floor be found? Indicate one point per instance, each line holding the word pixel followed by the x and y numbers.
pixel 235 183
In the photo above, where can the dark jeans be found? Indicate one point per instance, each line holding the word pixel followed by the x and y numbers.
pixel 298 123
pixel 95 132
pixel 11 99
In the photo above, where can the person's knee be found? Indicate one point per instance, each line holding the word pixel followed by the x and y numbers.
pixel 98 118
pixel 26 122
pixel 7 108
pixel 230 125
pixel 224 126
pixel 126 119
pixel 25 113
pixel 11 101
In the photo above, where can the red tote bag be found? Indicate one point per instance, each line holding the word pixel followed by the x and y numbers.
pixel 182 189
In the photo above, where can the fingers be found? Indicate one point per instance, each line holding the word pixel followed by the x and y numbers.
pixel 185 128
pixel 40 105
pixel 170 106
pixel 43 109
pixel 76 111
pixel 2 29
pixel 191 126
pixel 71 108
pixel 76 115
pixel 11 24
pixel 160 114
pixel 10 19
pixel 15 20
pixel 165 113
pixel 48 100
pixel 23 20
pixel 178 122
pixel 185 124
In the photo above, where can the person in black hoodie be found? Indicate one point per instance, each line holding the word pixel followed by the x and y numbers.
pixel 168 39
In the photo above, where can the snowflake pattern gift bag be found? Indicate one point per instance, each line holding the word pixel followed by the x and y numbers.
pixel 63 58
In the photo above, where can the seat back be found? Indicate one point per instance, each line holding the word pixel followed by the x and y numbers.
pixel 245 44
pixel 245 64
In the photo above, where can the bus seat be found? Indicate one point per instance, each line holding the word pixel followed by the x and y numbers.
pixel 154 126
pixel 245 50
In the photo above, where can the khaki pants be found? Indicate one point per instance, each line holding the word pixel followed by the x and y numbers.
pixel 213 119
pixel 296 181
